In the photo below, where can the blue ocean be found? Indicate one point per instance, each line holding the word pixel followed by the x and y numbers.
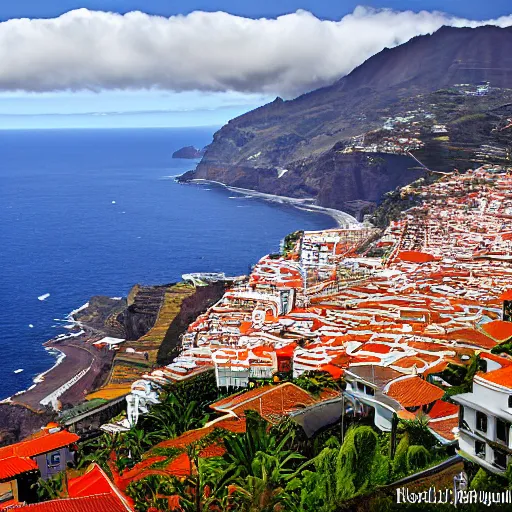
pixel 92 212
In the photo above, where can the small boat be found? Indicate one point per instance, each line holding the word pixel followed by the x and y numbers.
pixel 19 370
pixel 44 296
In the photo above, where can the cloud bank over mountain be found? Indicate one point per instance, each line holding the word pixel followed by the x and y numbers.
pixel 202 51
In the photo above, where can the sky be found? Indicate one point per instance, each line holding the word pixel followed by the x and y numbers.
pixel 152 63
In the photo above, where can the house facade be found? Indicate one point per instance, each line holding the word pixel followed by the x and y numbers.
pixel 485 421
pixel 50 449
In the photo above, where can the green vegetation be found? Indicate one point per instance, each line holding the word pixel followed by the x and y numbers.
pixel 82 408
pixel 290 240
pixel 503 348
pixel 393 205
pixel 315 382
pixel 269 467
pixel 469 118
pixel 184 406
pixel 461 377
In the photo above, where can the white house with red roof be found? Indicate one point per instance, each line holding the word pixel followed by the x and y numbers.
pixel 485 423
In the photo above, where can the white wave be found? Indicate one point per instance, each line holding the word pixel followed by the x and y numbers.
pixel 116 298
pixel 44 296
pixel 61 337
pixel 113 202
pixel 60 357
pixel 70 316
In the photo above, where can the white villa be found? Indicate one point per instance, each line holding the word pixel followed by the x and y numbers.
pixel 485 421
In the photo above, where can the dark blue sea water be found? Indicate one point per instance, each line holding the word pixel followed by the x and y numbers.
pixel 62 234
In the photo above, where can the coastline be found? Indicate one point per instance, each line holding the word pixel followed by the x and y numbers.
pixel 341 218
pixel 75 353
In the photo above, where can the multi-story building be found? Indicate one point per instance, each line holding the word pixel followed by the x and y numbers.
pixel 485 421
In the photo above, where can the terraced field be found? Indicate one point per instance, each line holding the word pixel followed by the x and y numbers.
pixel 129 366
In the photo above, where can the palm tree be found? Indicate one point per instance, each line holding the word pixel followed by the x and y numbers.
pixel 265 488
pixel 98 450
pixel 241 450
pixel 171 418
pixel 50 489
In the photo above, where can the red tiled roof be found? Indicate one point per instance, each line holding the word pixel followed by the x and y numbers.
pixel 502 376
pixel 498 329
pixel 268 401
pixel 414 391
pixel 180 466
pixel 503 361
pixel 93 481
pixel 275 400
pixel 13 466
pixel 409 362
pixel 334 371
pixel 472 337
pixel 97 503
pixel 237 426
pixel 8 504
pixel 415 256
pixel 378 348
pixel 437 368
pixel 442 409
pixel 43 443
pixel 444 428
pixel 506 295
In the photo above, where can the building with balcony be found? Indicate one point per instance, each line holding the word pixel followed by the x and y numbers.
pixel 485 420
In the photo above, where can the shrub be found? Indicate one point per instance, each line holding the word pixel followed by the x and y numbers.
pixel 418 457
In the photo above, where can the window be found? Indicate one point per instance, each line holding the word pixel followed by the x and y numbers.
pixel 370 391
pixel 53 459
pixel 502 430
pixel 500 459
pixel 510 402
pixel 482 363
pixel 480 449
pixel 461 416
pixel 360 387
pixel 481 421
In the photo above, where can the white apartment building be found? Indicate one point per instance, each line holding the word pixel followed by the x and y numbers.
pixel 485 423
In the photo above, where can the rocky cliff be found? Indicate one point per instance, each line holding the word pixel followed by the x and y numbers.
pixel 17 422
pixel 128 318
pixel 282 146
pixel 191 308
pixel 189 152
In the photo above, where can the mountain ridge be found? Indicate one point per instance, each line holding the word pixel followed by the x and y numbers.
pixel 253 150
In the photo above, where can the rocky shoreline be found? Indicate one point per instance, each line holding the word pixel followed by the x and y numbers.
pixel 131 318
pixel 341 218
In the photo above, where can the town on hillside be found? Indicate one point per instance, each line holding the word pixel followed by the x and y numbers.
pixel 354 333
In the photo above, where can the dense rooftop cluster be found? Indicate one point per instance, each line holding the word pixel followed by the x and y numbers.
pixel 434 299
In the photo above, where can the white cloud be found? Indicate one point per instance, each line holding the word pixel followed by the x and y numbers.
pixel 202 51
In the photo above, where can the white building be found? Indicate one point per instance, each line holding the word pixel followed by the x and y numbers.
pixel 486 417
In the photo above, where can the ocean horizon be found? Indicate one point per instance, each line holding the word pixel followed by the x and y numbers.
pixel 95 211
